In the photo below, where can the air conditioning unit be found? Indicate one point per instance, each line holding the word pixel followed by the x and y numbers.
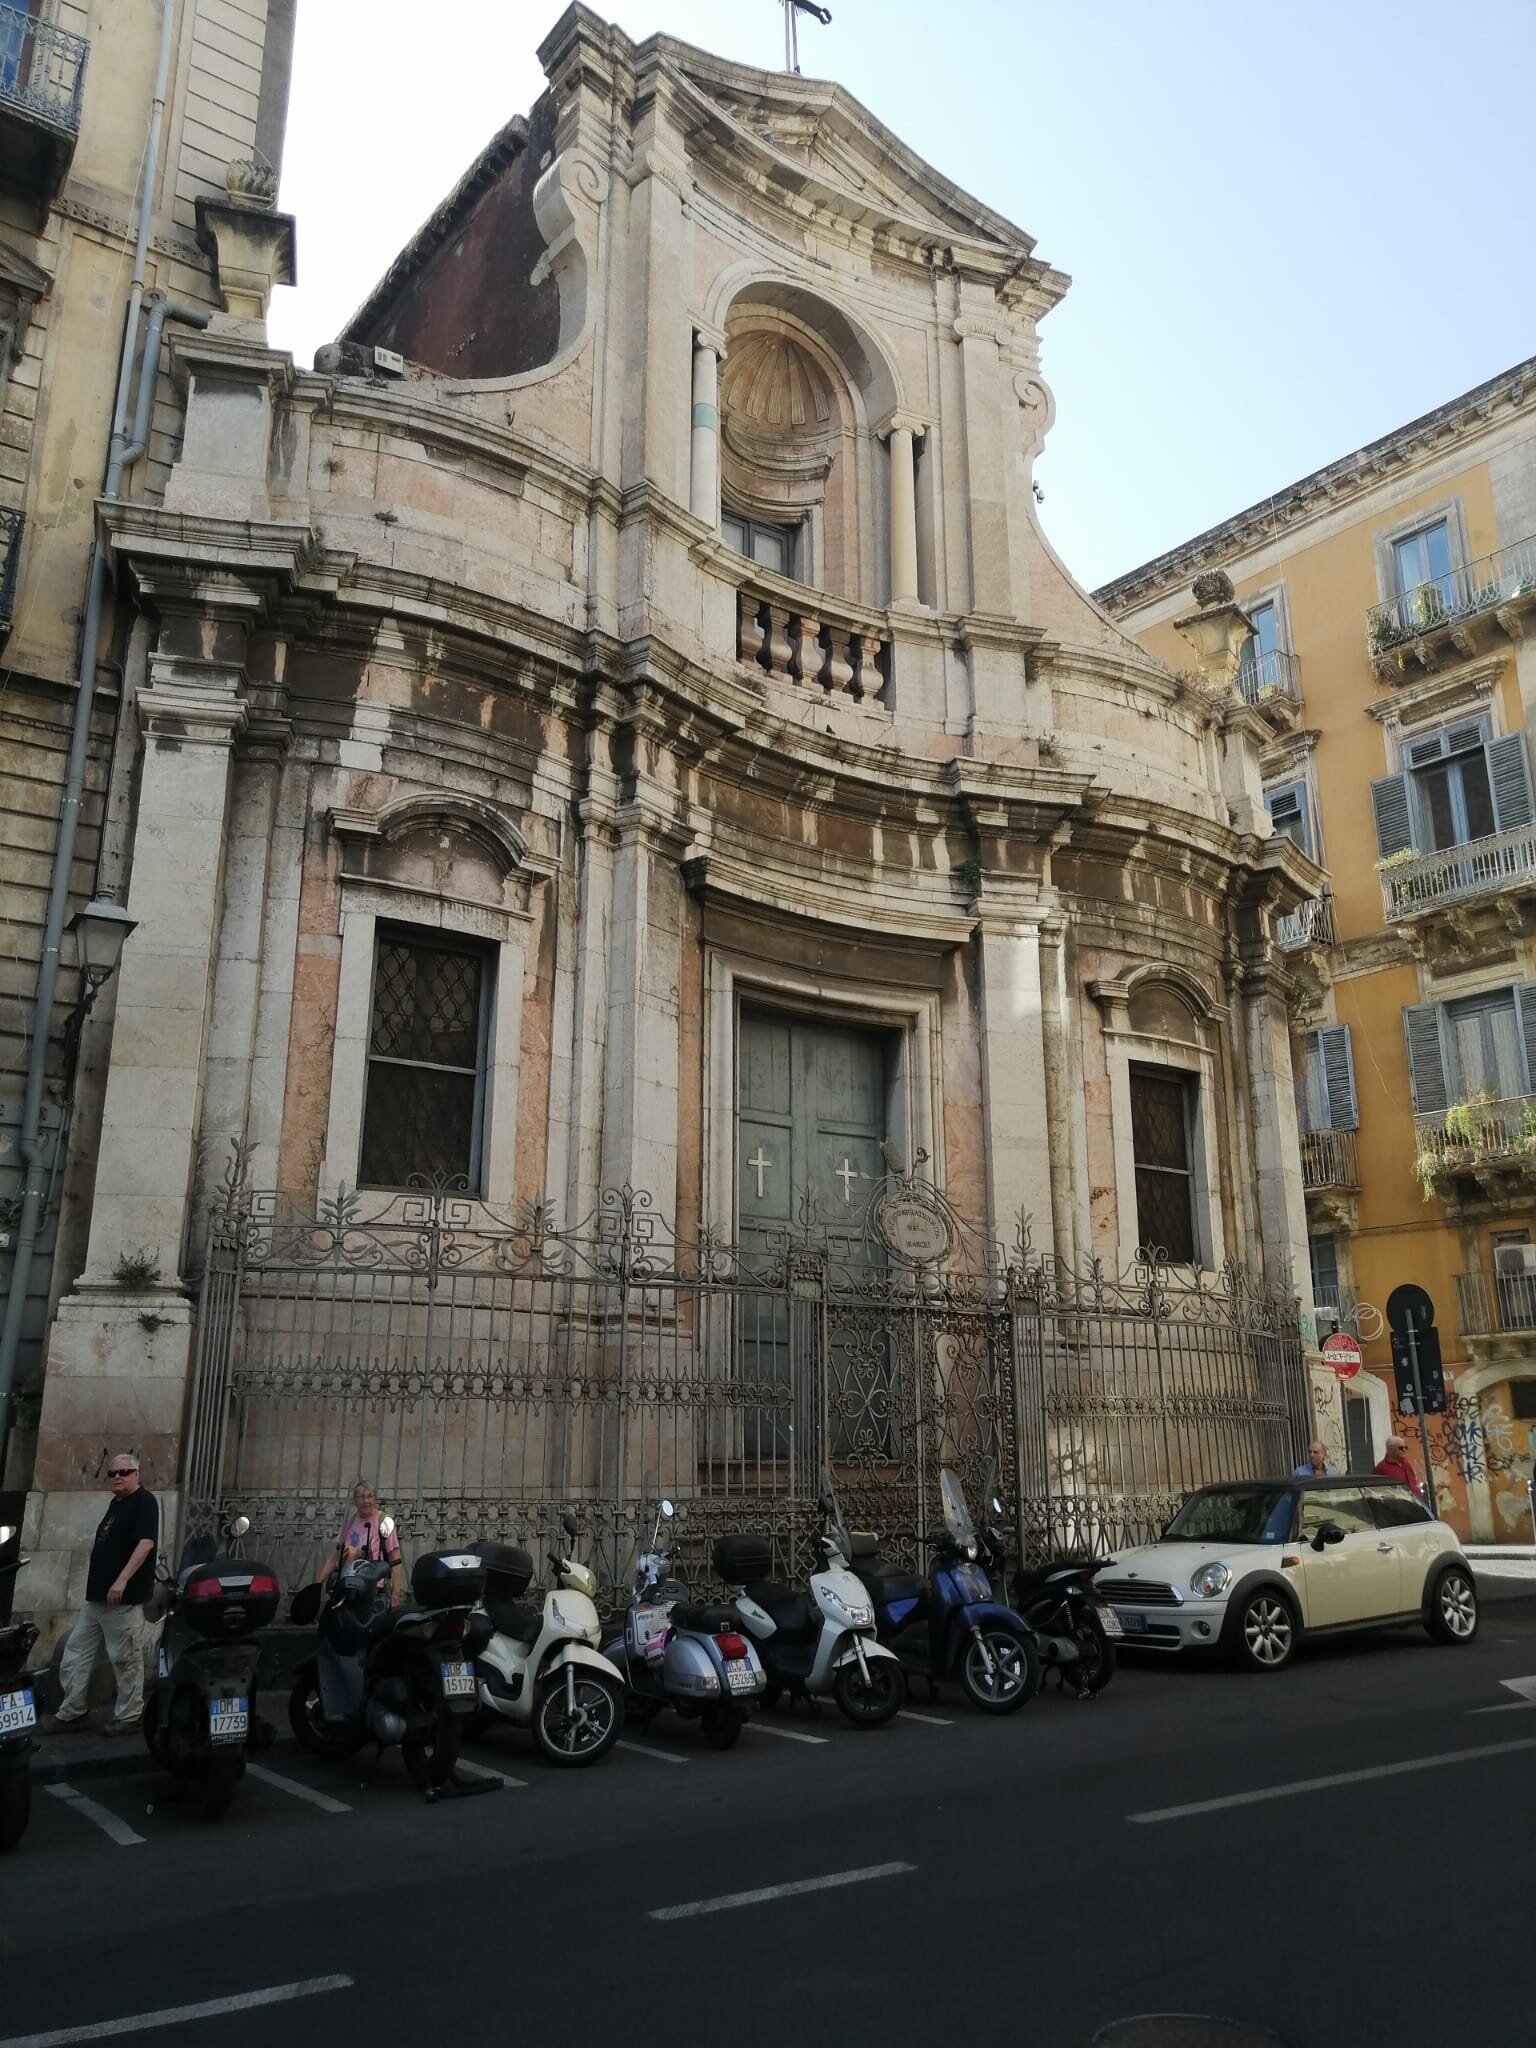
pixel 1515 1261
pixel 1328 1320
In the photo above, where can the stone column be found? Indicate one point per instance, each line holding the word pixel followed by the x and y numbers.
pixel 639 1137
pixel 903 514
pixel 1276 1141
pixel 1013 1078
pixel 1058 1091
pixel 704 488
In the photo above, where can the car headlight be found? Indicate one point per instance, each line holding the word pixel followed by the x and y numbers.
pixel 1210 1580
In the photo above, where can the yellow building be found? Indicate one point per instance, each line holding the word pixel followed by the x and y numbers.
pixel 1392 597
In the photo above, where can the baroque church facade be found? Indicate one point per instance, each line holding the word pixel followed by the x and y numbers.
pixel 617 722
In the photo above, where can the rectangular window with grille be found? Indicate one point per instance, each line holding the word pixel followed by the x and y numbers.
pixel 427 1040
pixel 1162 1136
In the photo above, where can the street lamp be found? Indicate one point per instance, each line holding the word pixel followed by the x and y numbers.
pixel 101 930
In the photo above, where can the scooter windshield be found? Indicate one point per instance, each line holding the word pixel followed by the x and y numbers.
pixel 957 1516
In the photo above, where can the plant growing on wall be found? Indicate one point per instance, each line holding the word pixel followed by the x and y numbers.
pixel 137 1272
pixel 1404 857
pixel 1465 1120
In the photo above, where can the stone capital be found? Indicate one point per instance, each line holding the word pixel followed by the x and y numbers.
pixel 1218 633
pixel 253 249
pixel 981 327
pixel 898 421
pixel 190 713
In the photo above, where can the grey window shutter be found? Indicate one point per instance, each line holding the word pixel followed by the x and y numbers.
pixel 1525 999
pixel 1426 1057
pixel 1394 821
pixel 1339 1076
pixel 1510 773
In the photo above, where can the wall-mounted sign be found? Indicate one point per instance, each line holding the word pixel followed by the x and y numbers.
pixel 913 1228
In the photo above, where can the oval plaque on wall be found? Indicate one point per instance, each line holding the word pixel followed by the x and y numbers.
pixel 913 1228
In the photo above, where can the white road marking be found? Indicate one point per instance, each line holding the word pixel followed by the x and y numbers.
pixel 1328 1784
pixel 1525 1687
pixel 729 1900
pixel 295 1790
pixel 660 1756
pixel 928 1720
pixel 485 1771
pixel 178 2015
pixel 105 1819
pixel 784 1734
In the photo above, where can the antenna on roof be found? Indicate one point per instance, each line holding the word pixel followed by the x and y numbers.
pixel 793 9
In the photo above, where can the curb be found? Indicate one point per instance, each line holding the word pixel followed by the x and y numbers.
pixel 73 1759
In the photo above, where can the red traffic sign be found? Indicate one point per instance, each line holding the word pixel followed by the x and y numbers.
pixel 1343 1353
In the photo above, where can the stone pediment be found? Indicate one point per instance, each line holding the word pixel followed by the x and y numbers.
pixel 812 143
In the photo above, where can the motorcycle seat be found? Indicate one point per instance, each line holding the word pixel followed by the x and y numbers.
pixel 788 1607
pixel 707 1621
pixel 1032 1577
pixel 388 1619
pixel 514 1618
pixel 887 1586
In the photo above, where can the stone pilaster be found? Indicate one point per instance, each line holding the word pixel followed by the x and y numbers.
pixel 1016 1119
pixel 704 480
pixel 659 359
pixel 644 975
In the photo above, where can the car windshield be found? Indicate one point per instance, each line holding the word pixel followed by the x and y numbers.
pixel 1233 1514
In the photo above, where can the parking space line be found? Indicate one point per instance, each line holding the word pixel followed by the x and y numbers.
pixel 784 1734
pixel 295 1790
pixel 928 1720
pixel 117 1830
pixel 485 1771
pixel 177 2015
pixel 1330 1783
pixel 660 1756
pixel 728 1901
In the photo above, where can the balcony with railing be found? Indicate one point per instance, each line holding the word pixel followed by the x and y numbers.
pixel 1484 1147
pixel 1309 924
pixel 1454 613
pixel 1329 1160
pixel 1503 1306
pixel 1503 864
pixel 1271 682
pixel 42 80
pixel 812 642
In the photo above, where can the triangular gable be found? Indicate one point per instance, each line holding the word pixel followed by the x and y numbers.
pixel 22 274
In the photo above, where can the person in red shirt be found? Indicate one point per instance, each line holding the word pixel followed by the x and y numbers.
pixel 1395 1465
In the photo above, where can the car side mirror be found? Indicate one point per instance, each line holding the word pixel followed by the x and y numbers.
pixel 1327 1532
pixel 667 1509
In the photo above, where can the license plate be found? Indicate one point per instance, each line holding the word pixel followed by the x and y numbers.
pixel 458 1682
pixel 228 1721
pixel 1133 1624
pixel 1111 1621
pixel 740 1676
pixel 18 1710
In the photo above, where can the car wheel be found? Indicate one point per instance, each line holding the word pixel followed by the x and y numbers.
pixel 1265 1631
pixel 1452 1615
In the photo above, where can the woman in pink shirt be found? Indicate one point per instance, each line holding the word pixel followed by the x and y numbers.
pixel 361 1536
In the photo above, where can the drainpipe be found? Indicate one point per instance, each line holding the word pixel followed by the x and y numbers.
pixel 121 452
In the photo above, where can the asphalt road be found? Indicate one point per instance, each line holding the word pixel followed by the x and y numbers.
pixel 1040 1876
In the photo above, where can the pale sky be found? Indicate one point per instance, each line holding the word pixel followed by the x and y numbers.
pixel 1291 225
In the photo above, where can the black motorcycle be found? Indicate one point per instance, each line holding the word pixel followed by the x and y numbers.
pixel 1075 1629
pixel 18 1717
pixel 200 1716
pixel 393 1675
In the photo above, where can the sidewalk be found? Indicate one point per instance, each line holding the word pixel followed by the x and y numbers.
pixel 94 1755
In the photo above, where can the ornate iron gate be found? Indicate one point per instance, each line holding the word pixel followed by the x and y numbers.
pixel 485 1373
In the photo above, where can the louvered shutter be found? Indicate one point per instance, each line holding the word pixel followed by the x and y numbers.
pixel 1394 820
pixel 1426 1057
pixel 1525 999
pixel 1509 770
pixel 1339 1077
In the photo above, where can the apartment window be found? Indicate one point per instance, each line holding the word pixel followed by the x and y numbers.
pixel 1455 786
pixel 770 545
pixel 1162 1138
pixel 425 1103
pixel 1323 1255
pixel 1424 557
pixel 1290 813
pixel 1483 1044
pixel 1256 664
pixel 1326 1090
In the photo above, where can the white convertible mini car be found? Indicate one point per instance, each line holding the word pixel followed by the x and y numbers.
pixel 1254 1567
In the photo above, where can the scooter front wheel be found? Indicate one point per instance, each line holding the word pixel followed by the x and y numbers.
pixel 306 1717
pixel 218 1786
pixel 871 1702
pixel 580 1727
pixel 722 1727
pixel 432 1752
pixel 999 1671
pixel 1095 1665
pixel 15 1805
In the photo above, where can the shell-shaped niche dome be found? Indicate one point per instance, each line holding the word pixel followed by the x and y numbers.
pixel 772 382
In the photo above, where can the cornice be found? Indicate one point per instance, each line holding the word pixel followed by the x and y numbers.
pixel 763 890
pixel 1445 690
pixel 1350 477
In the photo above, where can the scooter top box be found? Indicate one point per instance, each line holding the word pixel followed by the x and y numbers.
pixel 228 1596
pixel 508 1569
pixel 740 1558
pixel 447 1578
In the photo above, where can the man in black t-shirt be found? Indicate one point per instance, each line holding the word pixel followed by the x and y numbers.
pixel 120 1580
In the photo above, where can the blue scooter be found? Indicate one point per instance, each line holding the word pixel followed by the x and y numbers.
pixel 950 1626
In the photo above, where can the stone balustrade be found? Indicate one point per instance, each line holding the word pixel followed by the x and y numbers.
pixel 830 648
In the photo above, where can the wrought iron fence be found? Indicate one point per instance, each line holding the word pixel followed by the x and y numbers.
pixel 485 1372
pixel 1309 924
pixel 1506 1303
pixel 42 67
pixel 1329 1159
pixel 1418 882
pixel 1461 593
pixel 1273 677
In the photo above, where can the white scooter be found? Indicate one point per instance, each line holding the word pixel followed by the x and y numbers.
pixel 542 1668
pixel 830 1647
